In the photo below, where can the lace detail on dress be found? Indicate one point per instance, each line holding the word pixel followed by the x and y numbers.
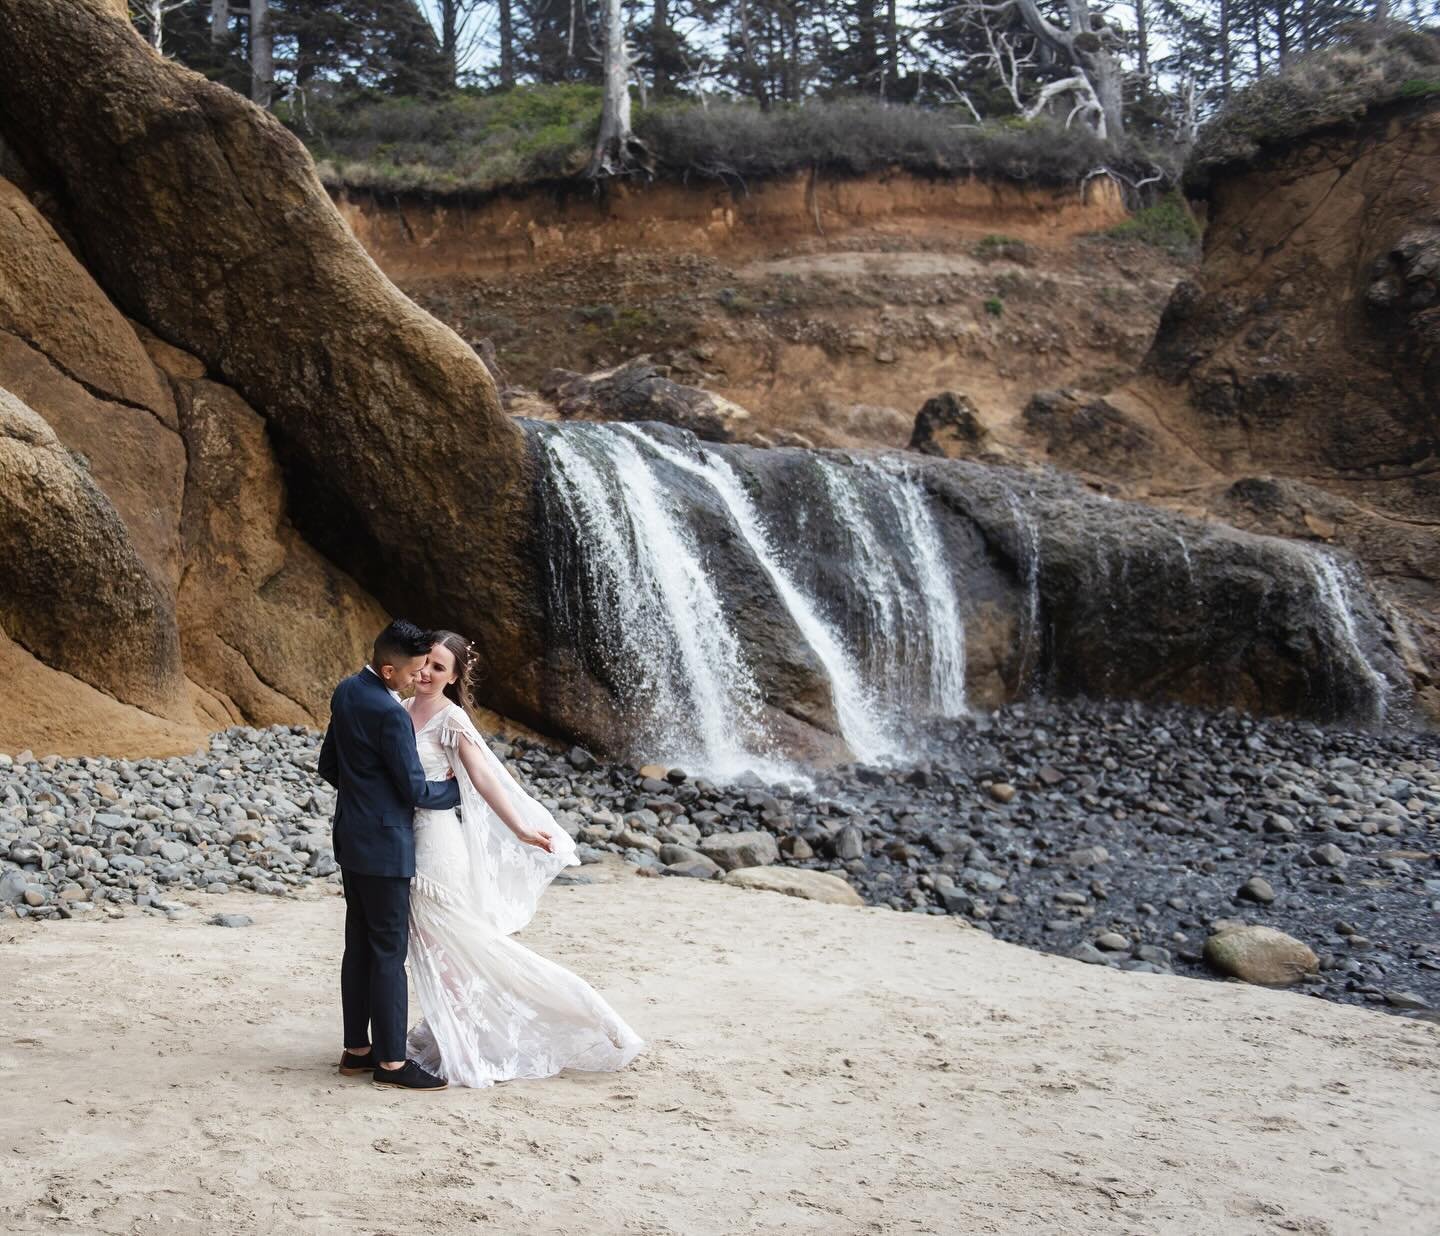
pixel 494 1010
pixel 424 886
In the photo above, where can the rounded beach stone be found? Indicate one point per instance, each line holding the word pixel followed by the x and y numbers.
pixel 1260 955
pixel 797 882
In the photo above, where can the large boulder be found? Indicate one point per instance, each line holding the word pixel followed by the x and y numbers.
pixel 638 390
pixel 948 425
pixel 266 622
pixel 67 352
pixel 735 850
pixel 50 301
pixel 77 594
pixel 401 466
pixel 267 625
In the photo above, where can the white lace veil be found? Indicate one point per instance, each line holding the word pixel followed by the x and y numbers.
pixel 506 877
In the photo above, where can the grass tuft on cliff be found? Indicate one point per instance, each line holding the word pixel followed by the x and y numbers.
pixel 1335 86
pixel 464 142
pixel 478 143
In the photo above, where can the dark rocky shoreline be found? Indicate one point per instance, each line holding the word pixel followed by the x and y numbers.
pixel 1115 833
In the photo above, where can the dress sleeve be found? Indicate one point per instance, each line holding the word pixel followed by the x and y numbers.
pixel 456 725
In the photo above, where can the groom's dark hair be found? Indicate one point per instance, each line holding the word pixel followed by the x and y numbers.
pixel 400 641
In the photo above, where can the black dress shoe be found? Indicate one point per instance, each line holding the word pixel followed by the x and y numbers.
pixel 409 1076
pixel 352 1065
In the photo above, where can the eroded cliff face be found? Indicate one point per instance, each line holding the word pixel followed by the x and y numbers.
pixel 1293 385
pixel 1308 342
pixel 155 588
pixel 829 308
pixel 415 238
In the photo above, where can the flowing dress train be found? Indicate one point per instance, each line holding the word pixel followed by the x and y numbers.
pixel 493 1010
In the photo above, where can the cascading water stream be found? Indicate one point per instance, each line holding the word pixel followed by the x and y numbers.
pixel 1028 536
pixel 659 609
pixel 879 583
pixel 1332 598
pixel 631 582
pixel 660 615
pixel 865 731
pixel 937 590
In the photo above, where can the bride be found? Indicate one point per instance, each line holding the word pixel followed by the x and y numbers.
pixel 493 1010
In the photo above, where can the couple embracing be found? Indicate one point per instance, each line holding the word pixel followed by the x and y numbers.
pixel 446 886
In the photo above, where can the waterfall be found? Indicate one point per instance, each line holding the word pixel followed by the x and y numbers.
pixel 891 660
pixel 630 583
pixel 919 616
pixel 937 588
pixel 864 730
pixel 1028 545
pixel 1332 601
pixel 664 634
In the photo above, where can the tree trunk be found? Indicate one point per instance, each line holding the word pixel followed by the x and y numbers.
pixel 662 46
pixel 612 144
pixel 1090 52
pixel 262 60
pixel 507 44
pixel 219 23
pixel 155 15
pixel 1107 76
pixel 1224 51
pixel 866 54
pixel 449 40
pixel 749 70
pixel 1142 45
pixel 892 52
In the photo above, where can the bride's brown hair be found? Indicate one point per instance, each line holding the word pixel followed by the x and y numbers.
pixel 463 650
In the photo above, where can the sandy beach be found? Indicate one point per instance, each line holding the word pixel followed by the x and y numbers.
pixel 810 1069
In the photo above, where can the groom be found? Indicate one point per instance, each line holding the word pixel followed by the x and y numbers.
pixel 369 757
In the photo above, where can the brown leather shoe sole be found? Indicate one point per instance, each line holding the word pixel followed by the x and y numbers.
pixel 344 1072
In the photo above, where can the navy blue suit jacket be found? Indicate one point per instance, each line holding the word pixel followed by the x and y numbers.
pixel 369 757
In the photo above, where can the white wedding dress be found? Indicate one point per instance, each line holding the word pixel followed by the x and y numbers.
pixel 493 1010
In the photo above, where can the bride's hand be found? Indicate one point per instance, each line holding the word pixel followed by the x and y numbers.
pixel 541 841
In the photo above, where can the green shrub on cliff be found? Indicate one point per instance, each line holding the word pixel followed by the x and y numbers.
pixel 464 141
pixel 473 142
pixel 741 142
pixel 1167 225
pixel 1334 86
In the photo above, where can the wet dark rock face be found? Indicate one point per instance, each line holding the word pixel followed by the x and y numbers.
pixel 1139 603
pixel 1057 588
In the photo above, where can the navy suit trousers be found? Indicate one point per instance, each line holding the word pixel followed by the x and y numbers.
pixel 372 972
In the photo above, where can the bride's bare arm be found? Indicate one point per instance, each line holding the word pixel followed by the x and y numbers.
pixel 493 792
